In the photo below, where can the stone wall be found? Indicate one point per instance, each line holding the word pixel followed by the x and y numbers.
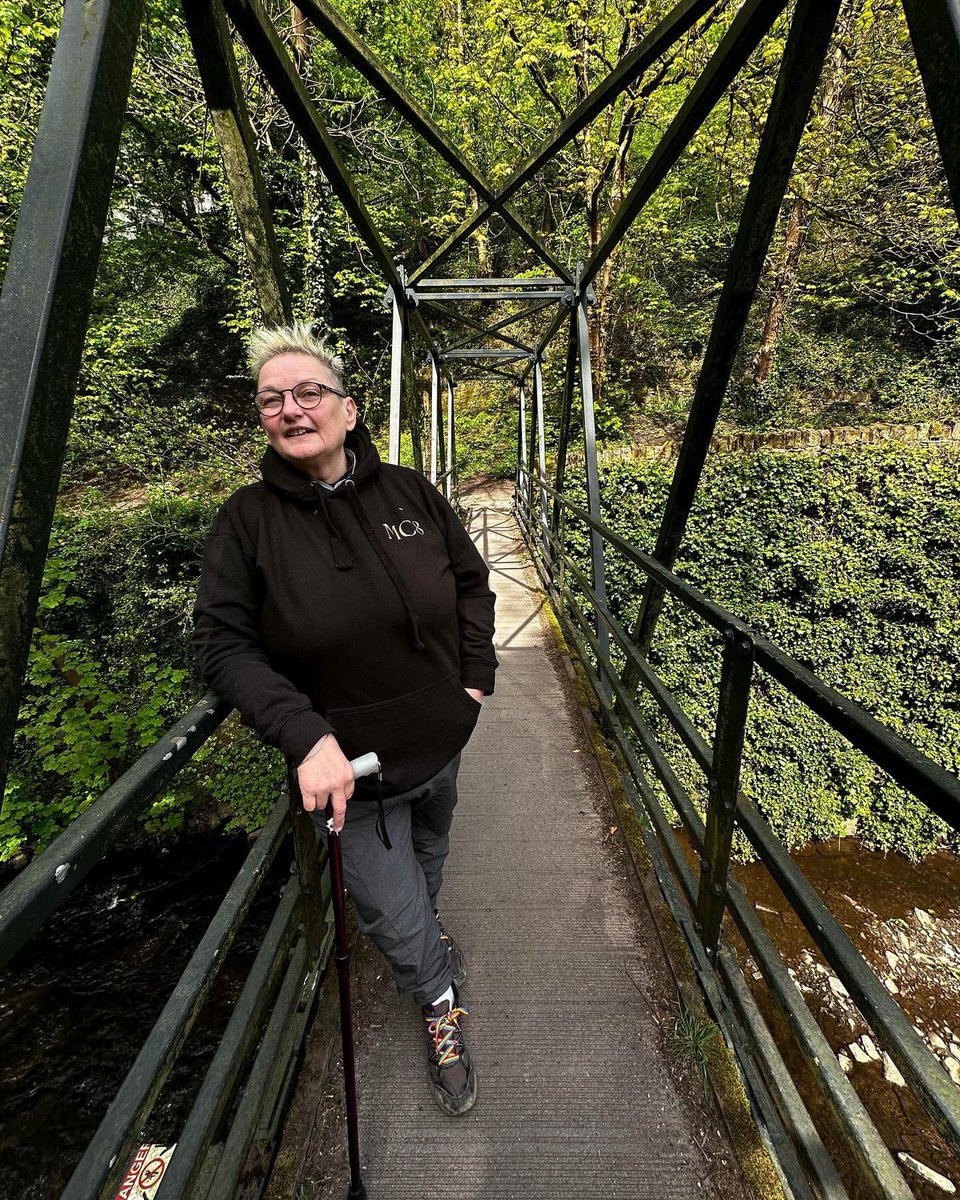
pixel 794 439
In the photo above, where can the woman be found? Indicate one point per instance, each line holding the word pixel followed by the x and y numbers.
pixel 343 609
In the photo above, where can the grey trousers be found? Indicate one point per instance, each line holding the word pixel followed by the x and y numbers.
pixel 396 890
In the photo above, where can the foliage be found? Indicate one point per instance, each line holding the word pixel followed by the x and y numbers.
pixel 692 1034
pixel 871 330
pixel 849 561
pixel 109 667
pixel 27 37
pixel 486 431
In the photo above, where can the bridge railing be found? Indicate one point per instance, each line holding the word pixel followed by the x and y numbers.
pixel 241 1100
pixel 699 901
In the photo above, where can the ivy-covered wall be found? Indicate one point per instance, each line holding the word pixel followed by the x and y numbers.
pixel 850 560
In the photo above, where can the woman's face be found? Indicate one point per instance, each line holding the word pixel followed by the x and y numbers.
pixel 312 439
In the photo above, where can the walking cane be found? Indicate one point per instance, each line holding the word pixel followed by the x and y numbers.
pixel 367 764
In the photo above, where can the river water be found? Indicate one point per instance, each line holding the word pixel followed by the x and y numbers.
pixel 905 920
pixel 78 1002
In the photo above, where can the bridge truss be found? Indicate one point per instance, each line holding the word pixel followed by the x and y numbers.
pixel 43 311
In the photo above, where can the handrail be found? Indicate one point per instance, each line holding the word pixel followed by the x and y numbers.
pixel 714 892
pixel 44 884
pixel 237 1044
pixel 296 942
pixel 872 1154
pixel 105 1159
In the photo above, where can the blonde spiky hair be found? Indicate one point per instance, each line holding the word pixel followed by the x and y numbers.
pixel 297 338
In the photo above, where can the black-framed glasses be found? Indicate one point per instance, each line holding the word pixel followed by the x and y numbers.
pixel 306 395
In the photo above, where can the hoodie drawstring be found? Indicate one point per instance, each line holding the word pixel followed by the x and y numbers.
pixel 381 826
pixel 341 559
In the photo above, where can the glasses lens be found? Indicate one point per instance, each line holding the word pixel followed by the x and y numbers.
pixel 269 402
pixel 308 395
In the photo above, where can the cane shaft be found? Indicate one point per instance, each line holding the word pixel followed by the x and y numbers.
pixel 357 1190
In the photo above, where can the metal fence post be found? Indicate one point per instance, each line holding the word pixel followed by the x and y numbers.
pixel 453 478
pixel 541 455
pixel 306 851
pixel 434 415
pixel 441 441
pixel 566 406
pixel 522 445
pixel 396 379
pixel 724 785
pixel 593 476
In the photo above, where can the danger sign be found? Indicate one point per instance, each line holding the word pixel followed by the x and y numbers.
pixel 146 1171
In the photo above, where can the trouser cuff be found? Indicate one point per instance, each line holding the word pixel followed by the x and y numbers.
pixel 434 987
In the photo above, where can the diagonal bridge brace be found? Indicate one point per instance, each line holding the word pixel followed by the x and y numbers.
pixel 495 329
pixel 673 26
pixel 354 49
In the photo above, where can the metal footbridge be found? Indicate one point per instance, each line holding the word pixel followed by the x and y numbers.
pixel 564 970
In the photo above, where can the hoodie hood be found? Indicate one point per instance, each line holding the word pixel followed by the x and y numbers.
pixel 281 474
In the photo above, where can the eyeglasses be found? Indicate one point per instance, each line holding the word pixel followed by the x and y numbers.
pixel 306 395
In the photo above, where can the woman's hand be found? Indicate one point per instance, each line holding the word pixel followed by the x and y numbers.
pixel 476 693
pixel 325 774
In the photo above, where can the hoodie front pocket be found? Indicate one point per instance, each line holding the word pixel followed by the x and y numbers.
pixel 414 735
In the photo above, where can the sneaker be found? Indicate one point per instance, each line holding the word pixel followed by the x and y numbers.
pixel 457 960
pixel 453 1080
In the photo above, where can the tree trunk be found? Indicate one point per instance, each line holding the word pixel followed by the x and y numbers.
pixel 311 209
pixel 782 291
pixel 480 236
pixel 827 107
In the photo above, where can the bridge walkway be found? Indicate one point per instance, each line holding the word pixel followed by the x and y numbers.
pixel 566 976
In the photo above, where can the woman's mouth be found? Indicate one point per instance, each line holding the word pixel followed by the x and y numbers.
pixel 299 432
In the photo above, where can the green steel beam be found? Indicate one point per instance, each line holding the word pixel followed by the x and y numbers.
pixel 261 37
pixel 45 303
pixel 745 34
pixel 806 48
pixel 935 32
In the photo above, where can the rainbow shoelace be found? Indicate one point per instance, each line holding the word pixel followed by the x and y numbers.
pixel 445 1031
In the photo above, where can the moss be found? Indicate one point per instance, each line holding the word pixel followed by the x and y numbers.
pixel 755 1160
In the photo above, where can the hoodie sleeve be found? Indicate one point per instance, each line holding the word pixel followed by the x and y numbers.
pixel 232 659
pixel 475 600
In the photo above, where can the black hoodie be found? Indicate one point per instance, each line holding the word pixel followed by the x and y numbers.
pixel 363 611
